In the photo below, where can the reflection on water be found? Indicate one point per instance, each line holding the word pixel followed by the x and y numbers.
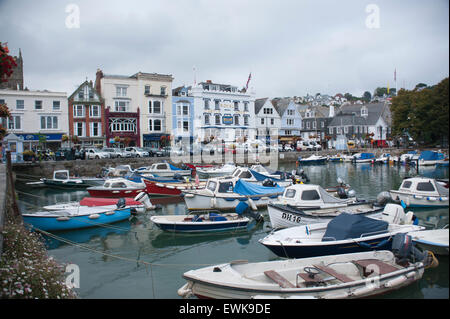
pixel 171 254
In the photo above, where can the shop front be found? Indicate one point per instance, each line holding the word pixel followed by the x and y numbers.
pixel 157 140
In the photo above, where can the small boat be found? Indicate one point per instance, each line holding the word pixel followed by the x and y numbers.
pixel 159 188
pixel 411 156
pixel 118 171
pixel 383 158
pixel 312 160
pixel 435 240
pixel 224 193
pixel 208 221
pixel 346 233
pixel 140 203
pixel 428 158
pixel 81 217
pixel 164 169
pixel 210 172
pixel 354 275
pixel 336 158
pixel 62 179
pixel 421 192
pixel 363 158
pixel 117 187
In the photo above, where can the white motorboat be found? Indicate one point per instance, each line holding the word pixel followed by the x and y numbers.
pixel 346 233
pixel 117 187
pixel 62 179
pixel 164 170
pixel 312 160
pixel 225 193
pixel 435 240
pixel 421 192
pixel 383 158
pixel 354 275
pixel 211 172
pixel 429 158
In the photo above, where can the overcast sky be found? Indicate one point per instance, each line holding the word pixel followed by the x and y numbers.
pixel 291 47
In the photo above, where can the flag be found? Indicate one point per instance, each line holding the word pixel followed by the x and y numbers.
pixel 249 77
pixel 388 88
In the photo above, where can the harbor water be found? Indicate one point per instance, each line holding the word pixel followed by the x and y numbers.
pixel 135 259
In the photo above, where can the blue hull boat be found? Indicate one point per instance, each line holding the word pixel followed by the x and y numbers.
pixel 71 219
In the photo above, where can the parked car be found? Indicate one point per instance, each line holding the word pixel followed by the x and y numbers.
pixel 288 148
pixel 137 151
pixel 112 152
pixel 306 146
pixel 153 151
pixel 95 153
pixel 316 146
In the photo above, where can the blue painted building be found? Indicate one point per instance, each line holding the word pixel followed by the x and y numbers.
pixel 182 114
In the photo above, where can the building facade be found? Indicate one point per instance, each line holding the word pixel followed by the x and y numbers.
pixel 268 121
pixel 138 108
pixel 222 112
pixel 86 117
pixel 290 120
pixel 183 114
pixel 315 120
pixel 39 118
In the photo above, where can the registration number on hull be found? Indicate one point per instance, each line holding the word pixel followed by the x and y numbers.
pixel 291 217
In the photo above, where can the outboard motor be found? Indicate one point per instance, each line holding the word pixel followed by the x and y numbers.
pixel 244 209
pixel 143 198
pixel 178 177
pixel 405 251
pixel 383 198
pixel 303 175
pixel 121 203
pixel 342 194
pixel 268 183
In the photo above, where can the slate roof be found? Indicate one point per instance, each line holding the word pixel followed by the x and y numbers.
pixel 375 110
pixel 259 104
pixel 281 104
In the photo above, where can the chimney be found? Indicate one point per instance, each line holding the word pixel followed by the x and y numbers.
pixel 208 81
pixel 98 77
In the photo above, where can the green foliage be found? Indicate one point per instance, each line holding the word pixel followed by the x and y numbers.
pixel 424 114
pixel 380 91
pixel 367 97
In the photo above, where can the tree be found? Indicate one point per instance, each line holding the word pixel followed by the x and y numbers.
pixel 367 96
pixel 7 64
pixel 420 85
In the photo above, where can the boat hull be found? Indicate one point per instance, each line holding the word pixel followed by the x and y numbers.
pixel 412 200
pixel 167 189
pixel 203 202
pixel 283 216
pixel 64 184
pixel 49 223
pixel 115 193
pixel 200 227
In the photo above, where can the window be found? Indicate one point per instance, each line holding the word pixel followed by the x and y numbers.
pixel 206 104
pixel 95 129
pixel 81 95
pixel 14 123
pixel 147 89
pixel 20 104
pixel 288 132
pixel 38 105
pixel 78 110
pixel 163 90
pixel 121 106
pixel 246 120
pixel 157 107
pixel 185 126
pixel 236 106
pixel 157 125
pixel 236 120
pixel 322 124
pixel 206 119
pixel 161 166
pixel 245 174
pixel 121 91
pixel 217 118
pixel 94 111
pixel 262 121
pixel 56 105
pixel 272 121
pixel 225 187
pixel 308 125
pixel 290 193
pixel 246 106
pixel 425 187
pixel 122 125
pixel 406 184
pixel 290 121
pixel 118 185
pixel 310 195
pixel 49 122
pixel 216 105
pixel 212 186
pixel 345 129
pixel 268 110
pixel 330 130
pixel 185 109
pixel 79 128
pixel 290 112
pixel 338 130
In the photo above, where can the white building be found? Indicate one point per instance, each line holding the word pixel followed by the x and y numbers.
pixel 36 116
pixel 222 112
pixel 268 121
pixel 139 106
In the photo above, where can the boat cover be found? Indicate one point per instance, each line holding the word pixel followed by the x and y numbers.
pixel 245 188
pixel 261 177
pixel 174 168
pixel 431 156
pixel 353 226
pixel 366 156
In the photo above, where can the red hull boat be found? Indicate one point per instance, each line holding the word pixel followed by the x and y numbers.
pixel 117 187
pixel 168 189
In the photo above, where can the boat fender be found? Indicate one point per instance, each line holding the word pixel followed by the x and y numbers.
pixel 363 291
pixel 337 295
pixel 170 187
pixel 444 198
pixel 189 195
pixel 409 218
pixel 110 213
pixel 252 204
pixel 159 185
pixel 94 216
pixel 213 202
pixel 63 218
pixel 431 198
pixel 186 290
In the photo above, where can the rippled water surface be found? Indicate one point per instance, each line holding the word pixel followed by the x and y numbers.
pixel 168 256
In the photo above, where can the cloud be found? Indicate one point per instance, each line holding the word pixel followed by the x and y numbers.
pixel 291 47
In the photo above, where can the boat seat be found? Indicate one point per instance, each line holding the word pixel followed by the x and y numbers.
pixel 280 280
pixel 383 268
pixel 334 273
pixel 308 281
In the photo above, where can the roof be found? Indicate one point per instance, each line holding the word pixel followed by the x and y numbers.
pixel 281 104
pixel 259 104
pixel 351 114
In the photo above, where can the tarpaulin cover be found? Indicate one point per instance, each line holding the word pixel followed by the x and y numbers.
pixel 174 168
pixel 261 177
pixel 245 188
pixel 352 226
pixel 431 156
pixel 367 156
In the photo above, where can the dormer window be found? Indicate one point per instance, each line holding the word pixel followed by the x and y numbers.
pixel 364 111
